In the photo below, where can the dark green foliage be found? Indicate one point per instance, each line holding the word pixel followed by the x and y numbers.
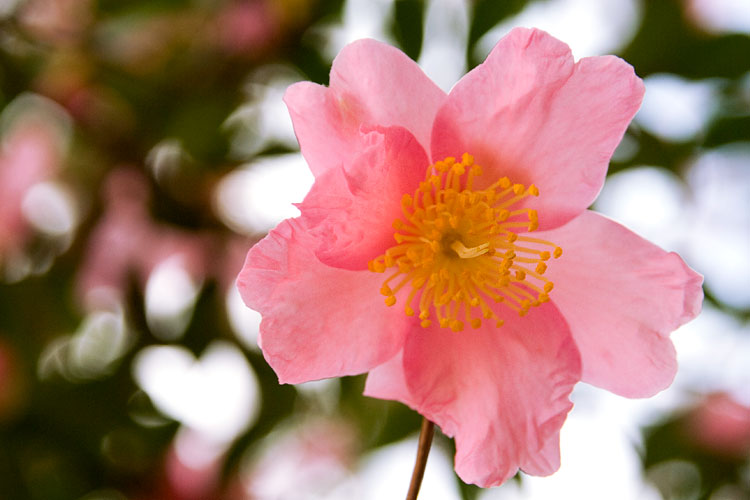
pixel 667 42
pixel 408 20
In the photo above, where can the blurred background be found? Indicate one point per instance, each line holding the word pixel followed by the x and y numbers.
pixel 144 148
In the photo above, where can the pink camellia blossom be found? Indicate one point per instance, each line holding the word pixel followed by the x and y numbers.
pixel 720 425
pixel 446 248
pixel 30 154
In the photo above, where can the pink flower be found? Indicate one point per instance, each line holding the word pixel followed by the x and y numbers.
pixel 247 27
pixel 295 459
pixel 721 426
pixel 425 201
pixel 126 239
pixel 30 153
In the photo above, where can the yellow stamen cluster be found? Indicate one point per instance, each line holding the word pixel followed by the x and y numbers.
pixel 459 250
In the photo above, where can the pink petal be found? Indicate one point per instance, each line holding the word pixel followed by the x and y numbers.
pixel 318 321
pixel 529 113
pixel 350 210
pixel 388 381
pixel 622 296
pixel 326 130
pixel 372 84
pixel 503 393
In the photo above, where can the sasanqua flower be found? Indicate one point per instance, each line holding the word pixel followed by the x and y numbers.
pixel 446 248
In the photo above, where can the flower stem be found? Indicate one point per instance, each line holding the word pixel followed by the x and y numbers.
pixel 423 449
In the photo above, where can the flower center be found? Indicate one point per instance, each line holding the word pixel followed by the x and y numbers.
pixel 458 249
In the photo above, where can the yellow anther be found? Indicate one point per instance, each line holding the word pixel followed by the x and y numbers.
pixel 557 253
pixel 457 250
pixel 548 286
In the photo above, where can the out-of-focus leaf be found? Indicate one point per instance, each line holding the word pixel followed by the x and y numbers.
pixel 485 15
pixel 666 42
pixel 408 25
pixel 668 442
pixel 728 129
pixel 652 151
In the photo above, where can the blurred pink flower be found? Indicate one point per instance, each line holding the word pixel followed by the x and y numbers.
pixel 721 425
pixel 247 27
pixel 30 154
pixel 58 22
pixel 297 459
pixel 391 151
pixel 127 240
pixel 193 467
pixel 253 29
